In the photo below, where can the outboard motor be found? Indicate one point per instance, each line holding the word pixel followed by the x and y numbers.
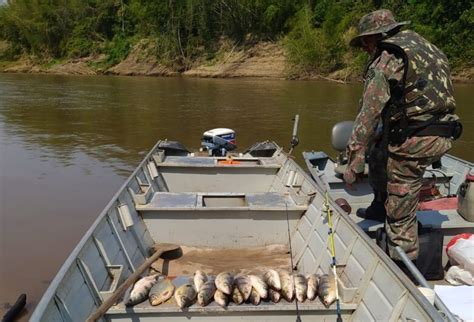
pixel 466 197
pixel 218 141
pixel 340 135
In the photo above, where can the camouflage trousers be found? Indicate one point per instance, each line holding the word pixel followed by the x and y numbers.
pixel 378 156
pixel 397 179
pixel 403 187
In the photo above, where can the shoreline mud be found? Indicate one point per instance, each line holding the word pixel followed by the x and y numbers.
pixel 262 60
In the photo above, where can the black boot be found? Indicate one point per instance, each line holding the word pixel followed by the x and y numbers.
pixel 376 211
pixel 405 270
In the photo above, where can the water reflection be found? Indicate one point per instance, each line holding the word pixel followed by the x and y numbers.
pixel 115 119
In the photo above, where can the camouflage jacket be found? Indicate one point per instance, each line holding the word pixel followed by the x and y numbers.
pixel 375 96
pixel 428 86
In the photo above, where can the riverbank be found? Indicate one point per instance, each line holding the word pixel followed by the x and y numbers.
pixel 260 60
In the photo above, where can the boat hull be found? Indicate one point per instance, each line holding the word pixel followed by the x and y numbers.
pixel 252 202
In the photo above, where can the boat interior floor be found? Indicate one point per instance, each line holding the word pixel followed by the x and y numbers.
pixel 212 261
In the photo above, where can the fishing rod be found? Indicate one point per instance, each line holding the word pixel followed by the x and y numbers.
pixel 298 317
pixel 294 137
pixel 294 142
pixel 333 255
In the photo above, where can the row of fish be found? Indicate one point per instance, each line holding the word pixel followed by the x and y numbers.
pixel 225 287
pixel 273 285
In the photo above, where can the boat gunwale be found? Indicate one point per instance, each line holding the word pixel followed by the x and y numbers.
pixel 471 164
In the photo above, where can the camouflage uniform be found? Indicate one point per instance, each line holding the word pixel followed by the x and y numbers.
pixel 406 162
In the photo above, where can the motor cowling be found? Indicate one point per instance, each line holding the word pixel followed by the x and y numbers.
pixel 466 197
pixel 218 141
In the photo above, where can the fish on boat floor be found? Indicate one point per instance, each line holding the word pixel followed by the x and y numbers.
pixel 216 260
pixel 171 306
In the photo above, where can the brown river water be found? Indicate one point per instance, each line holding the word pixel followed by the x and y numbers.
pixel 68 143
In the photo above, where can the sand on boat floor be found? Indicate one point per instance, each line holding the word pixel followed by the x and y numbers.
pixel 215 260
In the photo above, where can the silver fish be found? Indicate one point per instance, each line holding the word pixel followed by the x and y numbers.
pixel 237 297
pixel 272 279
pixel 259 285
pixel 287 286
pixel 254 297
pixel 312 280
pixel 327 289
pixel 138 292
pixel 199 279
pixel 244 285
pixel 185 295
pixel 224 282
pixel 221 298
pixel 206 293
pixel 274 296
pixel 161 292
pixel 301 287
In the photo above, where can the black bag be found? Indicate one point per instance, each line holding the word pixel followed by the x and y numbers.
pixel 430 254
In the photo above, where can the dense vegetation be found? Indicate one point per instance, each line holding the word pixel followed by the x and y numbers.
pixel 314 32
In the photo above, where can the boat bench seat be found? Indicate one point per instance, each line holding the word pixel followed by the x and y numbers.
pixel 244 219
pixel 213 162
pixel 334 178
pixel 214 310
pixel 444 219
pixel 449 221
pixel 273 201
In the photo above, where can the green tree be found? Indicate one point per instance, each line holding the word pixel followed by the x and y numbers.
pixel 315 32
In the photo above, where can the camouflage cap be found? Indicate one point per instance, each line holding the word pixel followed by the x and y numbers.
pixel 376 22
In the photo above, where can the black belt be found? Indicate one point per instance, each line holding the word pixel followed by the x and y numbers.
pixel 451 129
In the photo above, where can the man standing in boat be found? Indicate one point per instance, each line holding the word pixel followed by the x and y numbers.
pixel 406 122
